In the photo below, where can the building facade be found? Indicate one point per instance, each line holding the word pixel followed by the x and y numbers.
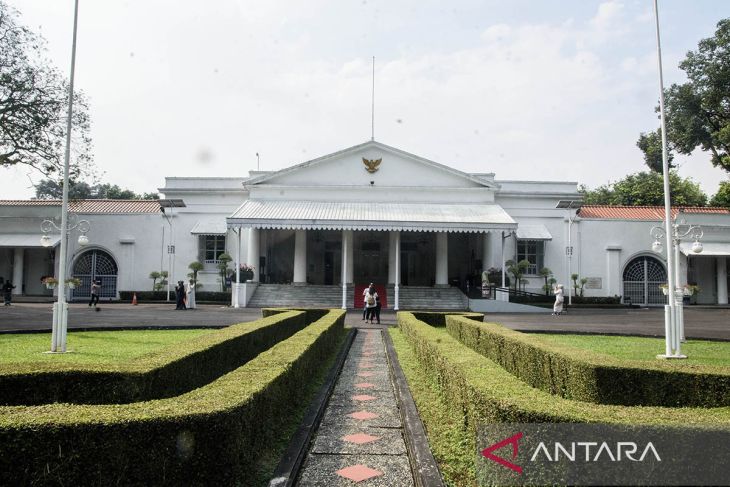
pixel 369 213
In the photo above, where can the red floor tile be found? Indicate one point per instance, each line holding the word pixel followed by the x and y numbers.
pixel 362 415
pixel 358 473
pixel 360 438
pixel 363 397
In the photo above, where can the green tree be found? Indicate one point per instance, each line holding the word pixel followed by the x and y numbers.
pixel 651 145
pixel 517 269
pixel 722 197
pixel 646 188
pixel 546 273
pixel 698 111
pixel 79 190
pixel 195 267
pixel 223 260
pixel 33 104
pixel 154 275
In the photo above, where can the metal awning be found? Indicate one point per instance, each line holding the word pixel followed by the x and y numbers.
pixel 210 227
pixel 329 215
pixel 708 248
pixel 26 240
pixel 533 232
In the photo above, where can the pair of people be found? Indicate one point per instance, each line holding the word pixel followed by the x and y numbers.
pixel 185 295
pixel 372 306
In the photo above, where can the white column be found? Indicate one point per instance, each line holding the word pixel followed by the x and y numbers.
pixel 253 252
pixel 300 257
pixel 721 263
pixel 485 252
pixel 237 285
pixel 345 258
pixel 18 262
pixel 391 256
pixel 396 287
pixel 613 270
pixel 349 277
pixel 442 259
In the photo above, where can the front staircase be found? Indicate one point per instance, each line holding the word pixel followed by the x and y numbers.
pixel 319 296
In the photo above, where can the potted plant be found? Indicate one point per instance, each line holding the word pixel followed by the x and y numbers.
pixel 73 282
pixel 50 282
pixel 246 272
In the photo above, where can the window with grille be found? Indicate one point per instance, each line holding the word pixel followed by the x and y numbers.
pixel 532 251
pixel 213 247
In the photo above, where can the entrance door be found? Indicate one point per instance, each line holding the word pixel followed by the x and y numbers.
pixel 95 265
pixel 329 268
pixel 643 278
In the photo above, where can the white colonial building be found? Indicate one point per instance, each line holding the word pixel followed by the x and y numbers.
pixel 370 213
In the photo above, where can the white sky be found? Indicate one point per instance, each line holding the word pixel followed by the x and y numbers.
pixel 535 90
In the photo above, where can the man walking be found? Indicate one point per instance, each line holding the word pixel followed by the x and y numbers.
pixel 95 287
pixel 8 292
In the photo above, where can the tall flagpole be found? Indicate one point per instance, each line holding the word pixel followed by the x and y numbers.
pixel 372 111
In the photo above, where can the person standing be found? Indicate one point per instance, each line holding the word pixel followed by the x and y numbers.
pixel 190 291
pixel 8 292
pixel 558 305
pixel 365 299
pixel 377 307
pixel 95 288
pixel 180 295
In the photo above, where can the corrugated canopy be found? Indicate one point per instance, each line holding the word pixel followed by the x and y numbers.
pixel 533 232
pixel 709 248
pixel 210 227
pixel 321 215
pixel 26 239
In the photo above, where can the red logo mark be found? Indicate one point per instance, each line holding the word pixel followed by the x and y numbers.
pixel 512 440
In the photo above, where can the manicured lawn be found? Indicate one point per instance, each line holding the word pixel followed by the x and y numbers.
pixel 91 346
pixel 453 449
pixel 645 349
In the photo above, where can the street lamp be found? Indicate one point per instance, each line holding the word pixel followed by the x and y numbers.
pixel 572 206
pixel 674 312
pixel 171 203
pixel 60 308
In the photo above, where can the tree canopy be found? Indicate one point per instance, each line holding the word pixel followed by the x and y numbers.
pixel 33 104
pixel 646 188
pixel 722 197
pixel 51 189
pixel 698 111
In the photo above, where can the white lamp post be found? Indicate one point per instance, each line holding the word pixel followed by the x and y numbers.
pixel 60 308
pixel 572 206
pixel 171 204
pixel 674 312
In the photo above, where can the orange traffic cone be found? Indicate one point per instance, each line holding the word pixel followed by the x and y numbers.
pixel 134 299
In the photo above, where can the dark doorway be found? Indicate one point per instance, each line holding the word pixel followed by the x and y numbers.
pixel 329 268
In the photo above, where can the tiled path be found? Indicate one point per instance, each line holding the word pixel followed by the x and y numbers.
pixel 360 439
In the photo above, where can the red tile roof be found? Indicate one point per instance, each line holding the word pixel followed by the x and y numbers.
pixel 652 213
pixel 94 206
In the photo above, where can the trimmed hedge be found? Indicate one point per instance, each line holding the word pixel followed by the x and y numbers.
pixel 313 314
pixel 200 296
pixel 208 436
pixel 486 393
pixel 437 319
pixel 166 373
pixel 586 376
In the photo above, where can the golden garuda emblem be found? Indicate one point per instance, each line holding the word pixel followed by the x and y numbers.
pixel 372 165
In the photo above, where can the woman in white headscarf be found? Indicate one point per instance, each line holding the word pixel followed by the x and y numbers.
pixel 558 306
pixel 190 292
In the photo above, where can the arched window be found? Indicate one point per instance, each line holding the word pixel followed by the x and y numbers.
pixel 95 264
pixel 643 277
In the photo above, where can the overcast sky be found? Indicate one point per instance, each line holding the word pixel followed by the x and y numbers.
pixel 535 90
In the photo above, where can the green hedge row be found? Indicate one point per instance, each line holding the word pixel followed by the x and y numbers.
pixel 438 319
pixel 313 314
pixel 487 393
pixel 200 296
pixel 166 373
pixel 208 436
pixel 585 376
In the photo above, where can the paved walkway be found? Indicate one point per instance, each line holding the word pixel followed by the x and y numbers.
pixel 360 438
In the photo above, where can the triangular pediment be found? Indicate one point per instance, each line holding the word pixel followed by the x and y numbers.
pixel 348 167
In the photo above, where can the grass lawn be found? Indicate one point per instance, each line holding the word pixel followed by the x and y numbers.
pixel 453 449
pixel 700 352
pixel 91 346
